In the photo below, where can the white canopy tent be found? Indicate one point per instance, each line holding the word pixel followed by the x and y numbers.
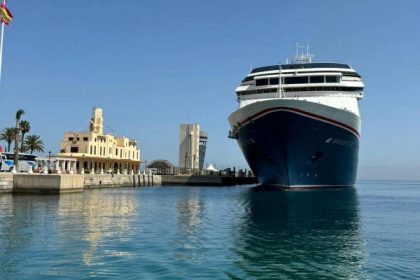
pixel 211 168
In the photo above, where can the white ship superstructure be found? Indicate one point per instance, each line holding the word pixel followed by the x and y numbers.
pixel 332 84
pixel 298 99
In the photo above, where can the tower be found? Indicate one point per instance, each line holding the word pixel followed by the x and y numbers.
pixel 189 146
pixel 96 122
pixel 202 148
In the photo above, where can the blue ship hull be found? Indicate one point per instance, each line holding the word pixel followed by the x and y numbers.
pixel 289 149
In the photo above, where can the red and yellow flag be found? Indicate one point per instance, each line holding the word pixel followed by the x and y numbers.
pixel 6 15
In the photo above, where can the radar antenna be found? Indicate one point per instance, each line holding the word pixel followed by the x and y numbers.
pixel 301 57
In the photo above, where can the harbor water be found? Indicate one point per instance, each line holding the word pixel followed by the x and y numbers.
pixel 367 232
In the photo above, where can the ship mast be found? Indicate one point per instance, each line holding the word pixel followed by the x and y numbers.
pixel 280 88
pixel 302 58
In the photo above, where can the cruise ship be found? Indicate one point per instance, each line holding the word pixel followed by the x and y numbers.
pixel 298 124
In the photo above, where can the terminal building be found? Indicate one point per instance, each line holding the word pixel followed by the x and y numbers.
pixel 192 146
pixel 95 151
pixel 161 167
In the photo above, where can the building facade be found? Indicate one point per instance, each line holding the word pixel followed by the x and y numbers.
pixel 192 146
pixel 98 152
pixel 204 138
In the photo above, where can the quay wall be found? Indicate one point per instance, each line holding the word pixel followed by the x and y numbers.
pixel 54 183
pixel 58 183
pixel 6 182
pixel 114 180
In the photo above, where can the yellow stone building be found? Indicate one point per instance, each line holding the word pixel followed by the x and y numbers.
pixel 97 152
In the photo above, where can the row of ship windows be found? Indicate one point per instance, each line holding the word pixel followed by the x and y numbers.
pixel 300 66
pixel 300 89
pixel 298 80
pixel 344 73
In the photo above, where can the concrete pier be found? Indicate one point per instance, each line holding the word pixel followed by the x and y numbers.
pixel 62 183
pixel 6 182
pixel 120 180
pixel 47 184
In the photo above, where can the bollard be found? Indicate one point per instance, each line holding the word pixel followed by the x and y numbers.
pixel 134 181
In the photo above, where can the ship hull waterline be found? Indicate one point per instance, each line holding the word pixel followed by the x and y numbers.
pixel 299 145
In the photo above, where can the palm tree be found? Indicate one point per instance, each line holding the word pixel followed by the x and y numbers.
pixel 24 128
pixel 8 134
pixel 19 114
pixel 33 143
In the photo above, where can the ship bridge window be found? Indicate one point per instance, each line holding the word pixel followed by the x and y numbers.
pixel 261 82
pixel 296 80
pixel 331 79
pixel 316 79
pixel 274 81
pixel 248 79
pixel 300 66
pixel 323 88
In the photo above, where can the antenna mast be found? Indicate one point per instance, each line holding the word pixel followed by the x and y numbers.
pixel 302 57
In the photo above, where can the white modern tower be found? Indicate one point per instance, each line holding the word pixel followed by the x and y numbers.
pixel 190 143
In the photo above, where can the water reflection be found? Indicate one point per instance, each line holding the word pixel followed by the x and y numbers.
pixel 22 218
pixel 96 218
pixel 65 234
pixel 190 229
pixel 302 234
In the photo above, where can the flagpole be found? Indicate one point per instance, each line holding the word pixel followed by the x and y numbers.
pixel 1 48
pixel 1 45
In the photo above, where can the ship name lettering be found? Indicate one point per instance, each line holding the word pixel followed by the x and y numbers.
pixel 341 142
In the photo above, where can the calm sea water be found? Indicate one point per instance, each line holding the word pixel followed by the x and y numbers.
pixel 368 232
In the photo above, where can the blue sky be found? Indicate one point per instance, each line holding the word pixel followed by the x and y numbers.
pixel 152 65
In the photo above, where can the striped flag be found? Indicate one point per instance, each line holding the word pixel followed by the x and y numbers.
pixel 6 15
